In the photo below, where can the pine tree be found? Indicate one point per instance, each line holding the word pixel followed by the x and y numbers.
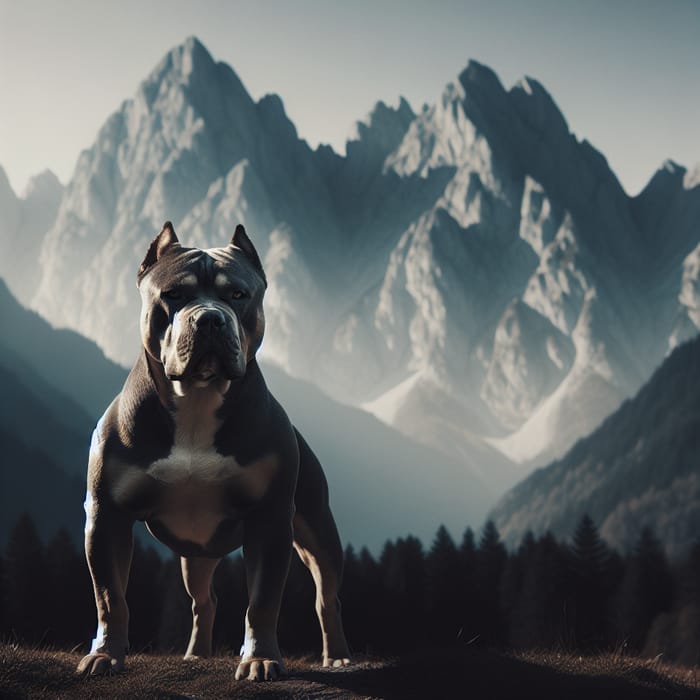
pixel 363 596
pixel 469 603
pixel 444 578
pixel 29 587
pixel 467 549
pixel 646 590
pixel 690 577
pixel 352 598
pixel 676 633
pixel 72 603
pixel 513 579
pixel 403 571
pixel 591 586
pixel 491 562
pixel 538 618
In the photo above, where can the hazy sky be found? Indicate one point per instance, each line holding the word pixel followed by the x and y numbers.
pixel 625 73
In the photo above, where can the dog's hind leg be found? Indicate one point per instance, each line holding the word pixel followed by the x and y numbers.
pixel 318 545
pixel 197 573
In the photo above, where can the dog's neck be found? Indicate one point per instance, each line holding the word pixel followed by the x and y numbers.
pixel 195 410
pixel 175 395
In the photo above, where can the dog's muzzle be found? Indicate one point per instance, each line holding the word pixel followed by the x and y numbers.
pixel 203 343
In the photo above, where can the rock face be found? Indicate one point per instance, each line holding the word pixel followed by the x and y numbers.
pixel 25 221
pixel 639 469
pixel 472 274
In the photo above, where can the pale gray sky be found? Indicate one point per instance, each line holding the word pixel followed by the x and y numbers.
pixel 625 73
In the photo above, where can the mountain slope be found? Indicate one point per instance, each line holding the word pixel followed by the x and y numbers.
pixel 68 362
pixel 382 484
pixel 667 212
pixel 640 468
pixel 43 418
pixel 31 481
pixel 55 385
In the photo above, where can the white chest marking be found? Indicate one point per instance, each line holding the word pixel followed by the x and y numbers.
pixel 193 455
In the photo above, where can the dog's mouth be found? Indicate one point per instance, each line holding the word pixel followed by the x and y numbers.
pixel 202 371
pixel 206 370
pixel 200 361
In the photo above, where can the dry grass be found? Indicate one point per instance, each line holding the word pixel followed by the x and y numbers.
pixel 652 673
pixel 453 673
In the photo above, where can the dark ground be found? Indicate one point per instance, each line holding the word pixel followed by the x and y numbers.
pixel 452 673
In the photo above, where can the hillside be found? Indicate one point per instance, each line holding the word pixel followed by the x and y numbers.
pixel 32 481
pixel 26 673
pixel 640 468
pixel 69 363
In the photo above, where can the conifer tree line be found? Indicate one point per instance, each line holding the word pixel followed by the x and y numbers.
pixel 547 594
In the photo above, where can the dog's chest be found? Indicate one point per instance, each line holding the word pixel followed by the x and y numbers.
pixel 193 490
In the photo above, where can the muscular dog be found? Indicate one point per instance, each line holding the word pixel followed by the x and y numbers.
pixel 197 447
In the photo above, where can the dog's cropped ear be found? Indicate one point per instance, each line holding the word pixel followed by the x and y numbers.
pixel 241 241
pixel 164 240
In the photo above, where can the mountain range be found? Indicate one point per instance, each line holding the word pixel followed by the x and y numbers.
pixel 472 273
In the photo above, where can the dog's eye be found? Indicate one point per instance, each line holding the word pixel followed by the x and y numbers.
pixel 238 294
pixel 171 295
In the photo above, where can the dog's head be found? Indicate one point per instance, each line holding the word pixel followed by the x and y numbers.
pixel 201 314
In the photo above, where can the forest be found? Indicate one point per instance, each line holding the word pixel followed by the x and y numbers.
pixel 579 595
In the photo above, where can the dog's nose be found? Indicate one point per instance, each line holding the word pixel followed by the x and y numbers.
pixel 210 319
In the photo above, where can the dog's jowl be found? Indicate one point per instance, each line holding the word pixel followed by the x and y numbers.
pixel 197 447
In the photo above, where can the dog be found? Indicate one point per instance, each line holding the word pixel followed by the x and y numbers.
pixel 197 447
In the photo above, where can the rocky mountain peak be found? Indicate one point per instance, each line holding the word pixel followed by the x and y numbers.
pixel 692 178
pixel 6 191
pixel 480 79
pixel 272 113
pixel 537 109
pixel 667 179
pixel 380 132
pixel 188 62
pixel 666 209
pixel 384 119
pixel 45 187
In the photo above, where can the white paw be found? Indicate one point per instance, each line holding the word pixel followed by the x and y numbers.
pixel 100 664
pixel 336 663
pixel 256 669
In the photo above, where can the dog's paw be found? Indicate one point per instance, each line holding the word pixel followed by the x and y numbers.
pixel 99 664
pixel 336 663
pixel 256 669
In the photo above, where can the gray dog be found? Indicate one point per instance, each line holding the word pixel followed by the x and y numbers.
pixel 197 447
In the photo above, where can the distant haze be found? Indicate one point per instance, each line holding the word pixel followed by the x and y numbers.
pixel 625 74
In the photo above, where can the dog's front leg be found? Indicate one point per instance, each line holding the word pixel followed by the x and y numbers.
pixel 267 548
pixel 108 546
